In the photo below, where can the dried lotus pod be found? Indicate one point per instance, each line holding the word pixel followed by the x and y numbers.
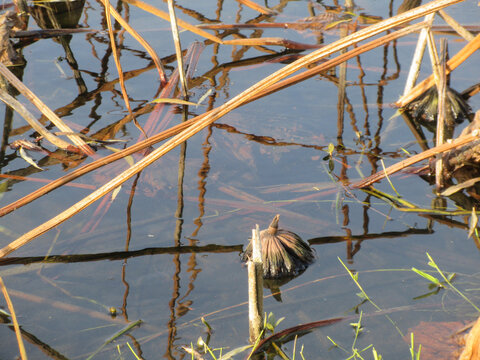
pixel 425 107
pixel 284 253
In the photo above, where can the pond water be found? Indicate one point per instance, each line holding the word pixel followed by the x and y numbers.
pixel 166 251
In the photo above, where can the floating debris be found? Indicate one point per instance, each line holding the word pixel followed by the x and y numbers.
pixel 284 253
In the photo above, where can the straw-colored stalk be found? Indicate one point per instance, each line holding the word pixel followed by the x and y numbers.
pixel 254 6
pixel 471 350
pixel 162 14
pixel 45 110
pixel 34 123
pixel 111 11
pixel 440 81
pixel 432 50
pixel 191 58
pixel 178 47
pixel 467 35
pixel 178 128
pixel 143 42
pixel 418 55
pixel 207 119
pixel 18 333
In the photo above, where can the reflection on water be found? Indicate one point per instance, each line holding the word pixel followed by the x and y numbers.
pixel 165 249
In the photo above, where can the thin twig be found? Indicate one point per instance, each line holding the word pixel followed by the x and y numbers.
pixel 255 287
pixel 432 49
pixel 273 41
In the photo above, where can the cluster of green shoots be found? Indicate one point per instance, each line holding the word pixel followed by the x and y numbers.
pixel 352 352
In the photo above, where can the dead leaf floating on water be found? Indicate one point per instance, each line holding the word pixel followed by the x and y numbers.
pixel 436 339
pixel 21 146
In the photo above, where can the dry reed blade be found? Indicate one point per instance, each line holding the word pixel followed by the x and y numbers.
pixel 25 91
pixel 270 41
pixel 94 165
pixel 143 42
pixel 341 58
pixel 467 35
pixel 192 58
pixel 18 334
pixel 432 49
pixel 254 6
pixel 34 123
pixel 157 12
pixel 418 55
pixel 452 64
pixel 281 25
pixel 178 47
pixel 460 141
pixel 204 120
pixel 176 129
pixel 108 12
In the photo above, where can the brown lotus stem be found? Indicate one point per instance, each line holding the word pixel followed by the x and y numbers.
pixel 255 287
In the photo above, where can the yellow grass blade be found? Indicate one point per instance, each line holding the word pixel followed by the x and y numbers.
pixel 34 123
pixel 157 12
pixel 18 334
pixel 143 42
pixel 25 91
pixel 254 6
pixel 110 11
